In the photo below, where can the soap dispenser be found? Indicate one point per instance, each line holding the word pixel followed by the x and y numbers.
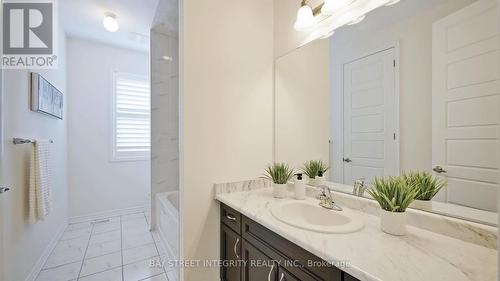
pixel 300 188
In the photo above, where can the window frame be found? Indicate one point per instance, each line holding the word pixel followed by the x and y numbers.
pixel 114 155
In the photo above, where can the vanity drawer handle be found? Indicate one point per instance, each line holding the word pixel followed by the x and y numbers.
pixel 270 272
pixel 231 217
pixel 235 248
pixel 282 278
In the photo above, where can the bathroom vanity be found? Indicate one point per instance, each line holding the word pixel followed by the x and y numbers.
pixel 266 255
pixel 256 245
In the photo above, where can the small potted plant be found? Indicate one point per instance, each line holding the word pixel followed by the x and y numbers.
pixel 279 174
pixel 427 187
pixel 315 169
pixel 394 195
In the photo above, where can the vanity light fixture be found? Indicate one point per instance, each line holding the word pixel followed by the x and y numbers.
pixel 332 6
pixel 110 22
pixel 358 20
pixel 321 21
pixel 327 35
pixel 305 17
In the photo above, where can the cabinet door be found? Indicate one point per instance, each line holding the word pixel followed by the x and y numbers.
pixel 348 277
pixel 258 266
pixel 230 255
pixel 284 275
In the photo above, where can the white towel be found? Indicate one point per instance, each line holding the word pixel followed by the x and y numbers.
pixel 40 201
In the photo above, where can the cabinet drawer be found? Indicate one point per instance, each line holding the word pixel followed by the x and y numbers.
pixel 231 218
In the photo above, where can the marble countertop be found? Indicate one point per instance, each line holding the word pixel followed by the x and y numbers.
pixel 373 255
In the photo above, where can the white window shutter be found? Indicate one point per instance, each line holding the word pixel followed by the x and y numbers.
pixel 132 117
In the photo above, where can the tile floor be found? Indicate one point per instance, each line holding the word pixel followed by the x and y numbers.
pixel 114 249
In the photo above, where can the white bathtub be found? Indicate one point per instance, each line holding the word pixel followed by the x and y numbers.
pixel 167 221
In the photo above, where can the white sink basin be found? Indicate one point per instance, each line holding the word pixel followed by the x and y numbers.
pixel 310 216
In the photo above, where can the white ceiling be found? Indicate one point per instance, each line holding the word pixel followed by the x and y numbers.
pixel 83 19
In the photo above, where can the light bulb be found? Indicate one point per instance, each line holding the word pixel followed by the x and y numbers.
pixel 110 22
pixel 332 6
pixel 305 18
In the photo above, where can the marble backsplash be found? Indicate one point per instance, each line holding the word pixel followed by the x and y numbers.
pixel 479 234
pixel 239 186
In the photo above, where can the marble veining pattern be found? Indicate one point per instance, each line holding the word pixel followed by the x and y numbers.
pixel 371 254
pixel 241 186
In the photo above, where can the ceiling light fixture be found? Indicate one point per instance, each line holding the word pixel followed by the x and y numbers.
pixel 305 17
pixel 110 22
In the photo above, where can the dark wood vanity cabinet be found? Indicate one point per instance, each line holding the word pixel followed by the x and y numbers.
pixel 230 253
pixel 251 252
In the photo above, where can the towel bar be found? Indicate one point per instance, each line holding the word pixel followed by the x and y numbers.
pixel 24 141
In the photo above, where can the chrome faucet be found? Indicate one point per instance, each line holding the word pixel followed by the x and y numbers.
pixel 359 187
pixel 326 201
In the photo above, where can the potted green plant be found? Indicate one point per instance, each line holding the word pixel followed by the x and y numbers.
pixel 315 169
pixel 279 174
pixel 427 187
pixel 394 195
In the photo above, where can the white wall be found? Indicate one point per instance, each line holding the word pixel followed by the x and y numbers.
pixel 96 183
pixel 24 244
pixel 227 98
pixel 413 33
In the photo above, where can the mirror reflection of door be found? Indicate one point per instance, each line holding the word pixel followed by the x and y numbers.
pixel 466 91
pixel 370 148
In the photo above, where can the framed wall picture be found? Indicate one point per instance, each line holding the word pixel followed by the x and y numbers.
pixel 45 98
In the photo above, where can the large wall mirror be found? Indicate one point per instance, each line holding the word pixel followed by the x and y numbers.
pixel 413 87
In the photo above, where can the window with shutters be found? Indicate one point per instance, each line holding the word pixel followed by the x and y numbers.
pixel 131 117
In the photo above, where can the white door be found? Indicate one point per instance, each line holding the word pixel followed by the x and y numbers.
pixel 370 117
pixel 466 88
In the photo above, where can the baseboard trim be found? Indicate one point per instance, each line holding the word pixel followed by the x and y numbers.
pixel 46 253
pixel 107 214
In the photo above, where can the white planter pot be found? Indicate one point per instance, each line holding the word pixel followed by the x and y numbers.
pixel 311 182
pixel 279 190
pixel 320 181
pixel 393 223
pixel 421 205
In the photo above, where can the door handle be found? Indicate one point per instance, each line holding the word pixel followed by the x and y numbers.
pixel 235 248
pixel 347 160
pixel 4 189
pixel 270 272
pixel 439 170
